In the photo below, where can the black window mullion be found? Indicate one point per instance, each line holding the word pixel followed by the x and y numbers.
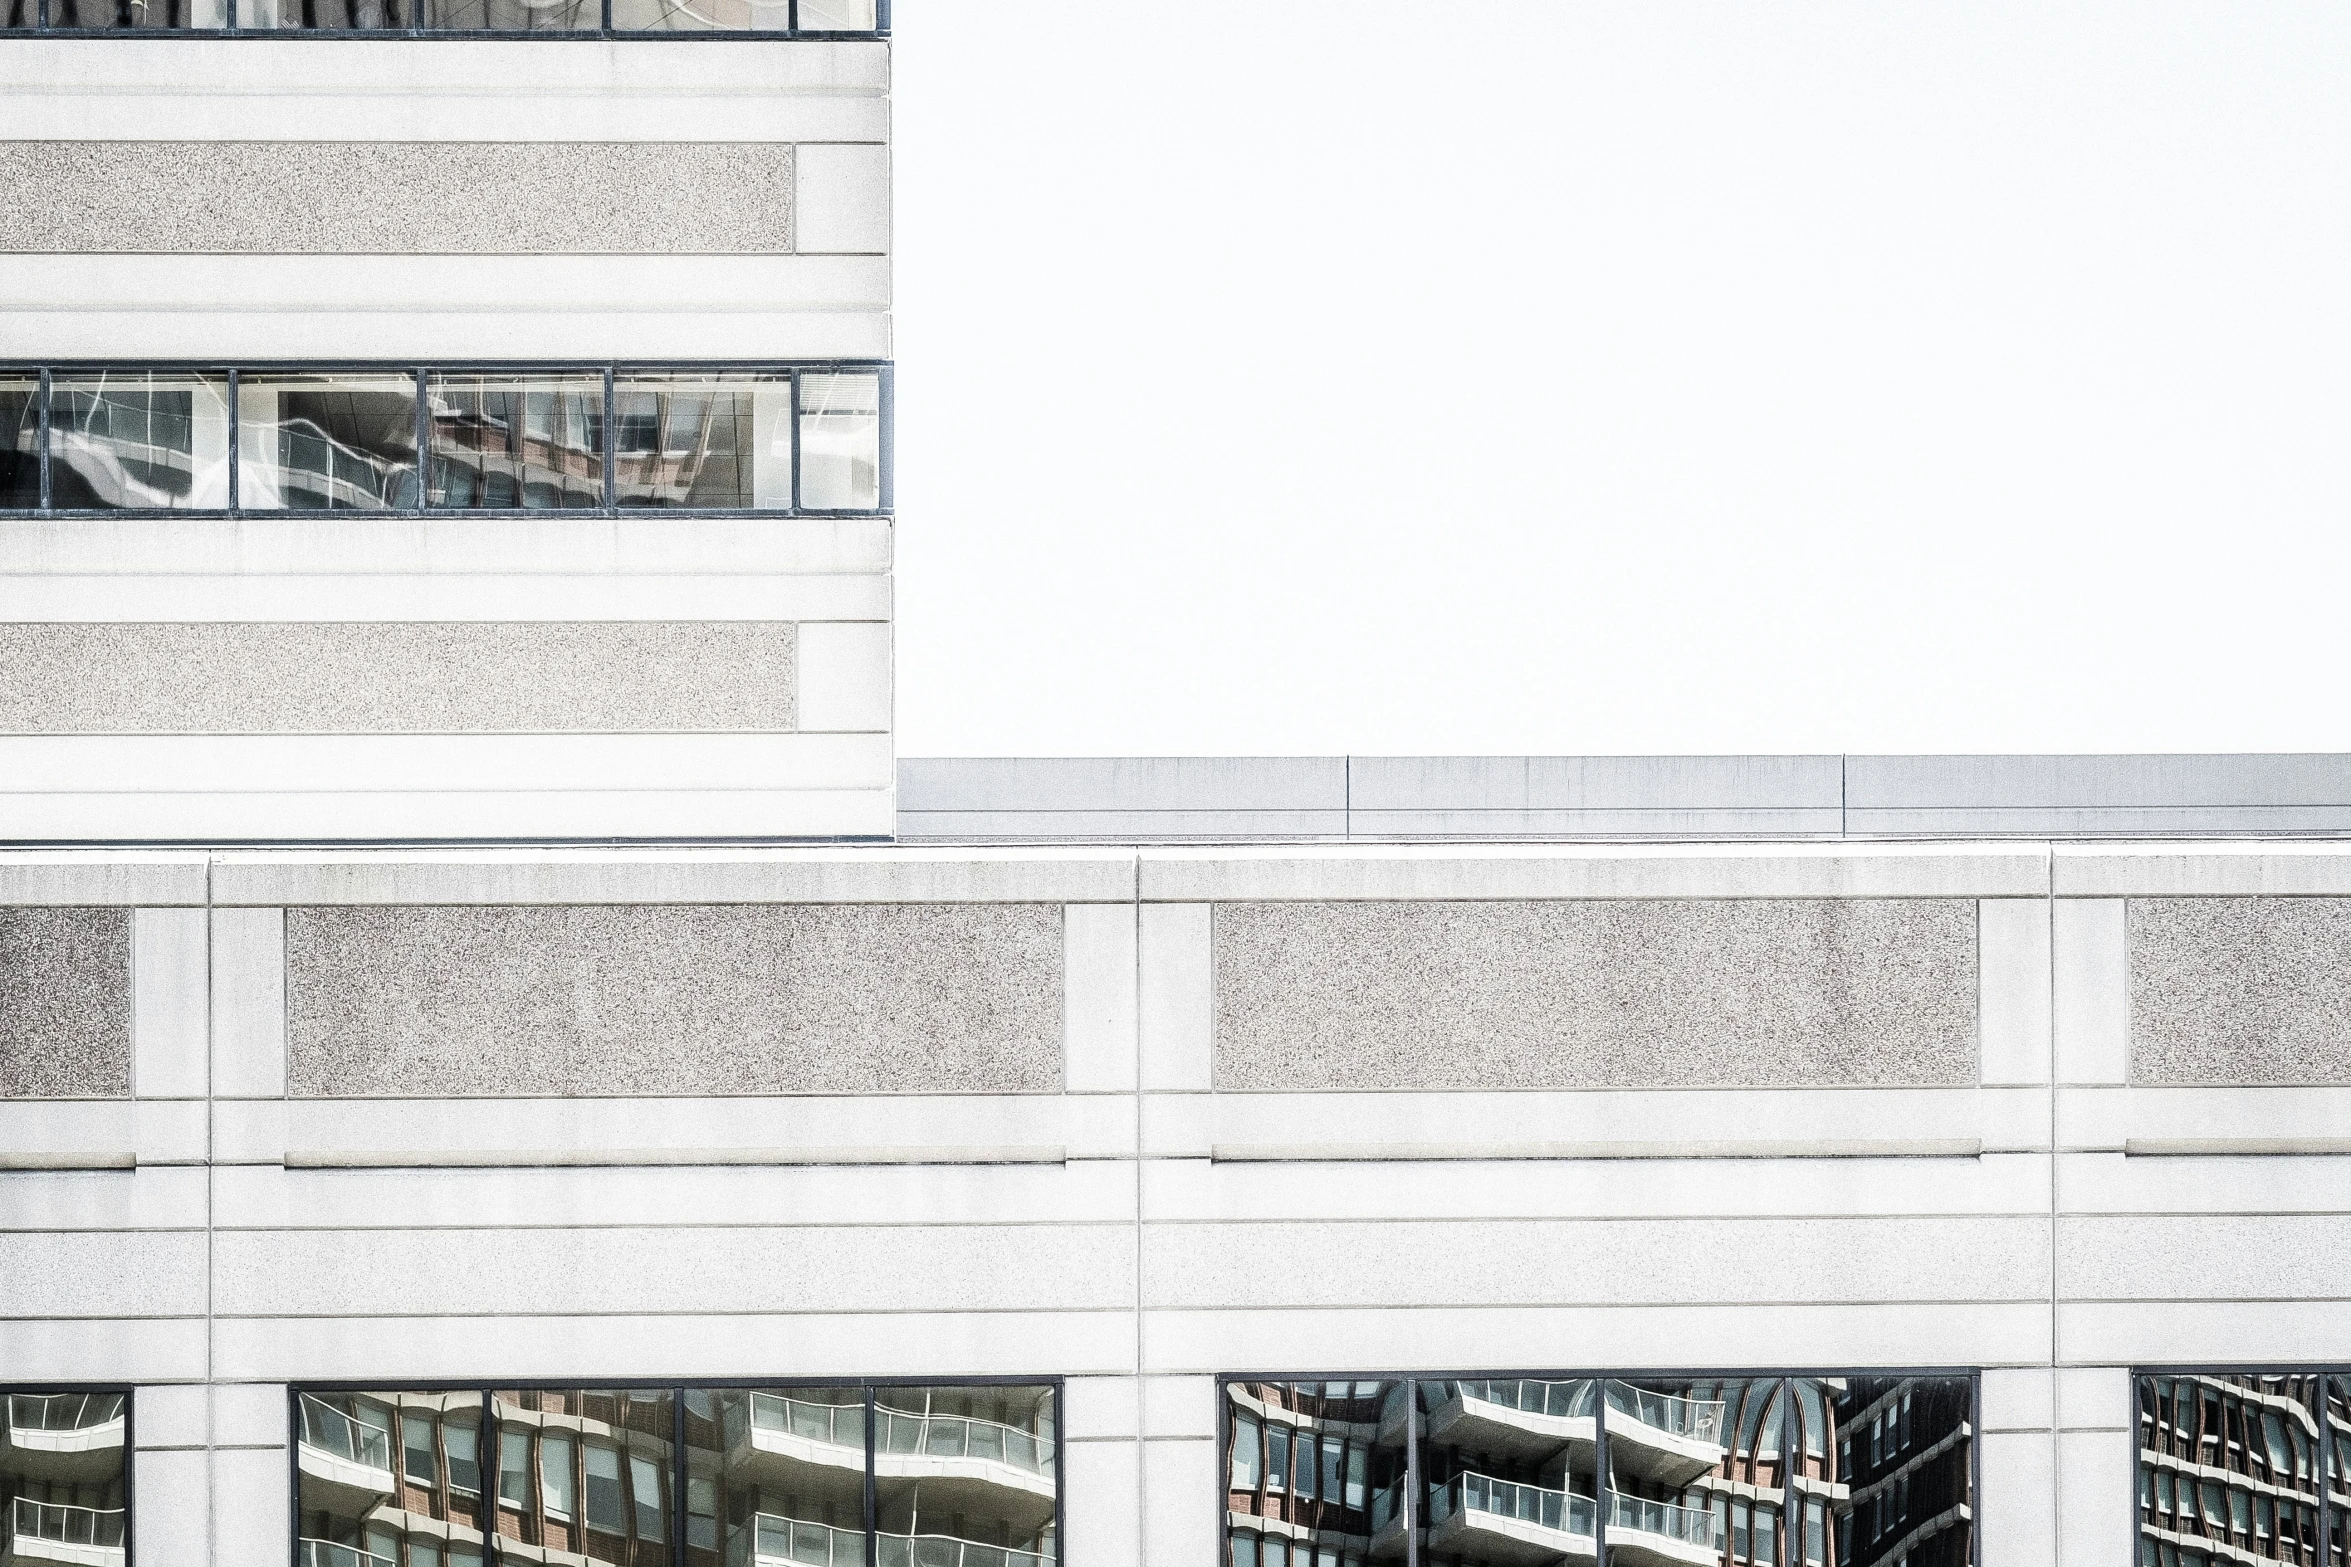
pixel 873 1527
pixel 490 1475
pixel 888 455
pixel 792 18
pixel 424 436
pixel 1600 1473
pixel 610 441
pixel 235 497
pixel 2325 1468
pixel 680 1474
pixel 881 16
pixel 1412 1477
pixel 41 431
pixel 1791 1445
pixel 795 415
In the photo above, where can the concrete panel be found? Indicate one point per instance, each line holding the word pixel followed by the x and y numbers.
pixel 1177 1530
pixel 2207 1332
pixel 428 1273
pixel 1098 1010
pixel 2089 990
pixel 168 1003
pixel 2110 796
pixel 455 677
pixel 157 1198
pixel 250 1414
pixel 2019 1400
pixel 1501 796
pixel 916 1344
pixel 1177 995
pixel 844 196
pixel 2206 1121
pixel 875 873
pixel 1671 1261
pixel 2240 990
pixel 109 1135
pixel 101 878
pixel 2018 1513
pixel 60 1276
pixel 358 198
pixel 2202 870
pixel 1180 1407
pixel 171 1415
pixel 65 1002
pixel 2013 1008
pixel 1339 996
pixel 2112 1182
pixel 1102 1502
pixel 83 1350
pixel 171 1500
pixel 2095 1398
pixel 808 998
pixel 250 1505
pixel 249 1003
pixel 845 676
pixel 2204 1257
pixel 2095 1474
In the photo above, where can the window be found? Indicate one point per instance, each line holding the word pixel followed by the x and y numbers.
pixel 604 1500
pixel 555 1478
pixel 416 1448
pixel 777 439
pixel 2256 1439
pixel 645 1492
pixel 465 1468
pixel 1277 1460
pixel 550 18
pixel 702 1513
pixel 77 1509
pixel 514 1468
pixel 1247 1459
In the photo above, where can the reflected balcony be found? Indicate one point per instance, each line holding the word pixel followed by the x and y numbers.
pixel 965 1464
pixel 65 1436
pixel 55 1535
pixel 1660 1534
pixel 346 1465
pixel 1529 1420
pixel 770 1540
pixel 325 1553
pixel 1479 1519
pixel 1663 1438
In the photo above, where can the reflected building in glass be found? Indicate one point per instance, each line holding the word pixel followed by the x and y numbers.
pixel 62 1480
pixel 1538 1470
pixel 2243 1467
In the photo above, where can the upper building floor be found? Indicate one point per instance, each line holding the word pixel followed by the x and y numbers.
pixel 476 18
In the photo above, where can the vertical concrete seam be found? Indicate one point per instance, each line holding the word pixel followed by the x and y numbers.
pixel 1142 1468
pixel 211 1113
pixel 2049 1000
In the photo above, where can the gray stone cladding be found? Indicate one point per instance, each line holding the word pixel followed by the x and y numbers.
pixel 2240 991
pixel 392 677
pixel 65 1003
pixel 396 198
pixel 1618 993
pixel 700 1000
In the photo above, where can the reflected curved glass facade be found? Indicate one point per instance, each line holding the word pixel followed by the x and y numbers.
pixel 2243 1466
pixel 937 1475
pixel 821 19
pixel 1544 1468
pixel 65 1479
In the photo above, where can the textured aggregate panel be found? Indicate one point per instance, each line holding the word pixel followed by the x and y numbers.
pixel 761 999
pixel 397 198
pixel 2240 990
pixel 65 1003
pixel 398 677
pixel 1599 994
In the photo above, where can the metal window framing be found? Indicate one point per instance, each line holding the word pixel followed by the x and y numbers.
pixel 415 28
pixel 1785 1548
pixel 130 1445
pixel 786 371
pixel 490 1457
pixel 2327 1466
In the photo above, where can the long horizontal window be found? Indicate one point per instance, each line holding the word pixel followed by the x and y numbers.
pixel 447 18
pixel 759 439
pixel 65 1477
pixel 1742 1471
pixel 2238 1466
pixel 938 1475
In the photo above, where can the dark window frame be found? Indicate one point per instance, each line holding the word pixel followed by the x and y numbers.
pixel 792 32
pixel 130 1444
pixel 419 373
pixel 1789 1494
pixel 677 1388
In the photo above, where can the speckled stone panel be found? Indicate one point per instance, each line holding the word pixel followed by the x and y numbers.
pixel 1608 994
pixel 424 198
pixel 765 999
pixel 65 1003
pixel 2240 991
pixel 398 677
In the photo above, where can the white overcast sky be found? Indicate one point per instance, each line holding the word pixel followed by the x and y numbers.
pixel 1307 376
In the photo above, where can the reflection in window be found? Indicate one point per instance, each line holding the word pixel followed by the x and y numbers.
pixel 2231 1467
pixel 840 442
pixel 966 1474
pixel 717 442
pixel 118 15
pixel 781 1473
pixel 138 440
pixel 1740 1472
pixel 61 1479
pixel 326 442
pixel 505 443
pixel 382 1479
pixel 20 442
pixel 705 16
pixel 604 1465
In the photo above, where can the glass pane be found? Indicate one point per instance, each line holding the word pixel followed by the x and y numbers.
pixel 703 16
pixel 61 1475
pixel 505 442
pixel 1695 1470
pixel 1506 1460
pixel 777 1475
pixel 841 442
pixel 326 442
pixel 139 440
pixel 1903 1453
pixel 20 440
pixel 2265 1435
pixel 2336 1397
pixel 373 1489
pixel 113 15
pixel 583 1470
pixel 720 441
pixel 838 16
pixel 965 1474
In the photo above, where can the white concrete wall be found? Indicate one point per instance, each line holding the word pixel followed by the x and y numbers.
pixel 1138 1233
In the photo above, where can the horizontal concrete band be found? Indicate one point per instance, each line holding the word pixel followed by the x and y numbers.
pixel 355 198
pixel 382 677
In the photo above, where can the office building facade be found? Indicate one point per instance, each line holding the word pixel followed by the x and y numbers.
pixel 500 1062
